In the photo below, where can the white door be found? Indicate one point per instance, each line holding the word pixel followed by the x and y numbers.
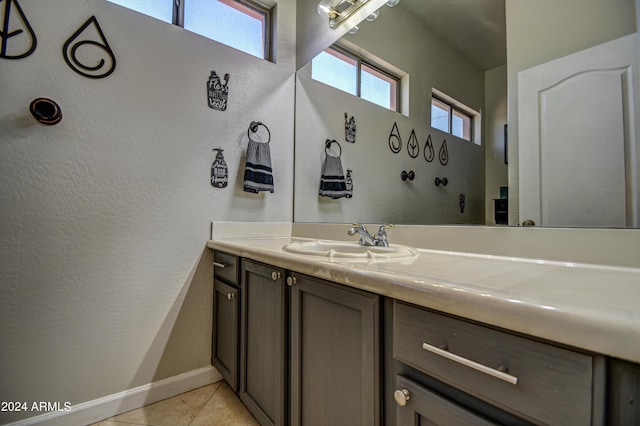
pixel 578 140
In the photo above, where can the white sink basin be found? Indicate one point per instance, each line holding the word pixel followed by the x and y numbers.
pixel 350 250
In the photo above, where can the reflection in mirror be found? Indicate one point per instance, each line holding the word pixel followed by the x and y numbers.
pixel 418 58
pixel 454 48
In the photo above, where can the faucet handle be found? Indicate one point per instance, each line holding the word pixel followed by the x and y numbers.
pixel 381 229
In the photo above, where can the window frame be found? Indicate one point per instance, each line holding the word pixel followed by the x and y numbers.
pixel 250 8
pixel 360 61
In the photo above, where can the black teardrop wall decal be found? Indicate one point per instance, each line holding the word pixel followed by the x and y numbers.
pixel 395 142
pixel 71 46
pixel 6 32
pixel 444 153
pixel 429 152
pixel 413 148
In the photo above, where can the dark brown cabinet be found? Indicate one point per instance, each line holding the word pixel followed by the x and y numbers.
pixel 503 371
pixel 335 363
pixel 263 342
pixel 303 351
pixel 501 211
pixel 225 347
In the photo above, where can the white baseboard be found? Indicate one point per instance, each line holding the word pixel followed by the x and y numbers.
pixel 121 402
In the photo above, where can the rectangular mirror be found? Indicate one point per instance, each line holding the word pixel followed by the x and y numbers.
pixel 459 53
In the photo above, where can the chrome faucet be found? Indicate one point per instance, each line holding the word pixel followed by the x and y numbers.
pixel 366 239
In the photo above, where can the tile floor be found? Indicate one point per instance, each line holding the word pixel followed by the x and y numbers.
pixel 211 405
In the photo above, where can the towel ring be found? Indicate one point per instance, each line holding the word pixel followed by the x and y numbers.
pixel 328 144
pixel 253 127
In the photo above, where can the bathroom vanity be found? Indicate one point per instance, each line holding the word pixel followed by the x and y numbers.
pixel 451 338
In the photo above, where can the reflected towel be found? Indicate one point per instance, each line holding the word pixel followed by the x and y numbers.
pixel 332 182
pixel 258 175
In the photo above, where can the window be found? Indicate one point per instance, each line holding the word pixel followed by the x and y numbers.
pixel 452 117
pixel 241 24
pixel 352 74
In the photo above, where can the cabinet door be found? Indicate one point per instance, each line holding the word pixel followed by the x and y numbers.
pixel 224 345
pixel 335 342
pixel 416 405
pixel 262 364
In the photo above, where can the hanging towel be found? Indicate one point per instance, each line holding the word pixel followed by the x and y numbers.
pixel 332 181
pixel 257 173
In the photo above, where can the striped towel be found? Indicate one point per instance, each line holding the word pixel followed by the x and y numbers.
pixel 332 182
pixel 257 173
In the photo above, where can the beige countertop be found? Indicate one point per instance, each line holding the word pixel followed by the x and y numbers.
pixel 593 307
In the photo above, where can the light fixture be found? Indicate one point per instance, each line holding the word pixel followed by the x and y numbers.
pixel 354 29
pixel 373 16
pixel 339 11
pixel 326 7
pixel 392 3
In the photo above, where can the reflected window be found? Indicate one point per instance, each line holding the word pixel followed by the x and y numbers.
pixel 461 125
pixel 378 87
pixel 452 117
pixel 352 74
pixel 241 24
pixel 336 69
pixel 440 113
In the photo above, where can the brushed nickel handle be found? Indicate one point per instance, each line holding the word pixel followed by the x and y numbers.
pixel 230 296
pixel 291 281
pixel 275 275
pixel 219 265
pixel 499 373
pixel 402 396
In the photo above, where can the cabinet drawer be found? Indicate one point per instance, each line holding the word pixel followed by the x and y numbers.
pixel 225 266
pixel 539 382
pixel 417 405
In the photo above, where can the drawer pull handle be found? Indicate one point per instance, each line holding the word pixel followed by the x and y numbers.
pixel 402 396
pixel 275 275
pixel 291 281
pixel 472 364
pixel 230 296
pixel 219 265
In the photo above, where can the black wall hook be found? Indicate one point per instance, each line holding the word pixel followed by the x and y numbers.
pixel 407 175
pixel 444 181
pixel 46 111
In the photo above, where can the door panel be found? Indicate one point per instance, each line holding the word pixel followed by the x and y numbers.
pixel 225 348
pixel 335 371
pixel 262 365
pixel 578 152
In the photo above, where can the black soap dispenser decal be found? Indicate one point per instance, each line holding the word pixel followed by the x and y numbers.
pixel 219 170
pixel 349 128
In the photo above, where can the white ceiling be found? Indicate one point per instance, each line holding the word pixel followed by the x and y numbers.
pixel 475 27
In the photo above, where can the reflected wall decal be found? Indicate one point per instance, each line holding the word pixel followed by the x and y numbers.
pixel 71 46
pixel 12 29
pixel 413 148
pixel 349 128
pixel 444 153
pixel 429 152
